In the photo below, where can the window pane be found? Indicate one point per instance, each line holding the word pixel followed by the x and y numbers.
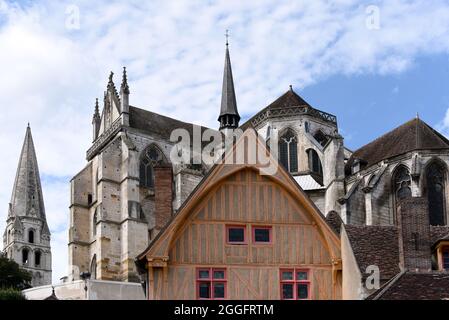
pixel 303 291
pixel 287 275
pixel 262 235
pixel 236 234
pixel 283 154
pixel 219 274
pixel 203 274
pixel 301 275
pixel 219 290
pixel 293 156
pixel 446 260
pixel 287 291
pixel 204 288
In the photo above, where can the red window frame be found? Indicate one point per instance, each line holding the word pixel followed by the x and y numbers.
pixel 269 228
pixel 211 281
pixel 245 241
pixel 445 260
pixel 295 282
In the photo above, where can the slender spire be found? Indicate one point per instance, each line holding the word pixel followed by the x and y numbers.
pixel 229 115
pixel 125 86
pixel 97 109
pixel 27 199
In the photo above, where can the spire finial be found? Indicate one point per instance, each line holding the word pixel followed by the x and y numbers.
pixel 28 126
pixel 111 75
pixel 291 88
pixel 227 37
pixel 125 86
pixel 417 115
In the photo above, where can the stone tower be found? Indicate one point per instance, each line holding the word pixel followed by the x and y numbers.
pixel 27 237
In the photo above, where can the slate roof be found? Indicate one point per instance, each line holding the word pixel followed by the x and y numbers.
pixel 228 100
pixel 413 135
pixel 438 233
pixel 157 124
pixel 415 286
pixel 375 245
pixel 307 182
pixel 289 99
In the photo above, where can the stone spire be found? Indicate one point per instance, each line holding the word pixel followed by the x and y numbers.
pixel 96 121
pixel 229 116
pixel 124 99
pixel 125 86
pixel 27 199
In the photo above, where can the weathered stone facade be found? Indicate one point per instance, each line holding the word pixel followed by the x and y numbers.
pixel 113 214
pixel 27 237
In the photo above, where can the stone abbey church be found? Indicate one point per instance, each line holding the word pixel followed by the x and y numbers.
pixel 385 204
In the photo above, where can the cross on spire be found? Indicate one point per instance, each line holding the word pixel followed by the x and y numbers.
pixel 227 37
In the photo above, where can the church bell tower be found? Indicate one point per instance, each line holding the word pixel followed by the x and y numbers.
pixel 27 237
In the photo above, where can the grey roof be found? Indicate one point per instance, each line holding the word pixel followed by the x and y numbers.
pixel 375 245
pixel 415 286
pixel 157 124
pixel 27 195
pixel 228 100
pixel 289 104
pixel 413 135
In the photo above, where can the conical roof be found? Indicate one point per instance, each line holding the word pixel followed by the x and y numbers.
pixel 228 100
pixel 27 199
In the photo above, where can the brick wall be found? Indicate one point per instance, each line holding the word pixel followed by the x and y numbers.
pixel 414 234
pixel 163 187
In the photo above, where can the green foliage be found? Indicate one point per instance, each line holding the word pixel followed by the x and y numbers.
pixel 11 294
pixel 12 276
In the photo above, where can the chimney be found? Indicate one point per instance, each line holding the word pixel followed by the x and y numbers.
pixel 414 234
pixel 163 188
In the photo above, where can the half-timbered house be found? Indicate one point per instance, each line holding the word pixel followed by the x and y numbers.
pixel 245 234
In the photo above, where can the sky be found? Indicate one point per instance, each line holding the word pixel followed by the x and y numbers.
pixel 374 64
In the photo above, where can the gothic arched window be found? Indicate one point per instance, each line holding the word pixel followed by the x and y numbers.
pixel 401 185
pixel 37 258
pixel 25 253
pixel 31 236
pixel 288 151
pixel 151 157
pixel 314 162
pixel 435 183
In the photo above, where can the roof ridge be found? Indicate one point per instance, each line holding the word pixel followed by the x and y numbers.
pixel 389 284
pixel 385 134
pixel 168 117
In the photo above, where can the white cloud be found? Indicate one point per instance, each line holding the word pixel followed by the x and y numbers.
pixel 174 52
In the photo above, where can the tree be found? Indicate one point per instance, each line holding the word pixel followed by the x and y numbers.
pixel 12 276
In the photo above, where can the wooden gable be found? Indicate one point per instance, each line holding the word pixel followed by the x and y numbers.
pixel 241 194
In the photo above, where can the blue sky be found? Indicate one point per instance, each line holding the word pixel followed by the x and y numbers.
pixel 372 64
pixel 368 106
